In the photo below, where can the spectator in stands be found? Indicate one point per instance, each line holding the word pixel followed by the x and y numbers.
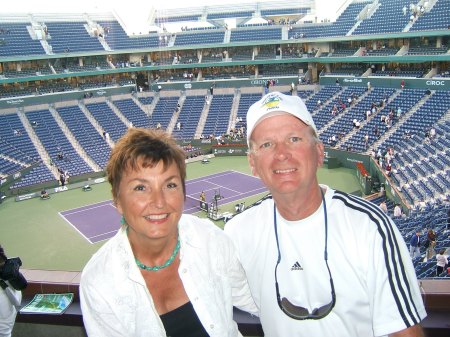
pixel 402 84
pixel 441 262
pixel 430 243
pixel 432 133
pixel 137 284
pixel 383 206
pixel 397 211
pixel 10 299
pixel 388 169
pixel 414 245
pixel 366 140
pixel 62 179
pixel 318 287
pixel 376 131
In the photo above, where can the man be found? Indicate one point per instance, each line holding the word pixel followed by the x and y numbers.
pixel 311 247
pixel 10 298
pixel 414 245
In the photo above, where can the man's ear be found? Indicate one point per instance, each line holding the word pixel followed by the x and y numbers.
pixel 321 154
pixel 251 161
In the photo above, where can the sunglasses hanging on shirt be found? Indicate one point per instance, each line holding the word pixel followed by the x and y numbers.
pixel 290 309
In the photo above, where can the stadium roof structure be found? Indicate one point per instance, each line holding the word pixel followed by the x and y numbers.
pixel 43 39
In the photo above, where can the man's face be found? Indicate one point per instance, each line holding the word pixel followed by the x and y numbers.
pixel 285 155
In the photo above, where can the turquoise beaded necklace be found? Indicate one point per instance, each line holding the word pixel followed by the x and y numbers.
pixel 166 264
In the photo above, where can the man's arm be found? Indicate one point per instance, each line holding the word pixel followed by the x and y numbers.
pixel 14 296
pixel 413 331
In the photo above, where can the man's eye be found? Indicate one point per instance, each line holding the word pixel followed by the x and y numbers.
pixel 139 188
pixel 294 139
pixel 266 145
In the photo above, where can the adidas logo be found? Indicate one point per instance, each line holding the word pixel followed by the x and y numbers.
pixel 296 266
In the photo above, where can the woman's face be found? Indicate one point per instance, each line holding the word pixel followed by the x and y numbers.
pixel 151 200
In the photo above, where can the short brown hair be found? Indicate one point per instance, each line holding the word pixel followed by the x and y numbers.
pixel 152 146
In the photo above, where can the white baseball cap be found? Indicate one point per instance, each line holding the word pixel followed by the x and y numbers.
pixel 276 103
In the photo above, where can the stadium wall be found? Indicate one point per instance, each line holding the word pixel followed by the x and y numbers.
pixel 388 82
pixel 6 103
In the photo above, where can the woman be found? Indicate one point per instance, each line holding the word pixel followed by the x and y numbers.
pixel 430 243
pixel 163 273
pixel 441 262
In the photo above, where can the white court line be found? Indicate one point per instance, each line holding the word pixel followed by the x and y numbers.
pixel 227 173
pixel 88 209
pixel 74 227
pixel 95 203
pixel 95 236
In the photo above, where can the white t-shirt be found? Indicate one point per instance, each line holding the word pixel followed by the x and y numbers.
pixel 364 247
pixel 441 260
pixel 115 300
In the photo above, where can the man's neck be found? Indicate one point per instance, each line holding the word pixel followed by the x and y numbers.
pixel 298 207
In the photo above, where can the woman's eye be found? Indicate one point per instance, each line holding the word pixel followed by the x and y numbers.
pixel 172 185
pixel 139 188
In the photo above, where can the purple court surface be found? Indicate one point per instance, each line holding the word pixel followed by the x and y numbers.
pixel 100 221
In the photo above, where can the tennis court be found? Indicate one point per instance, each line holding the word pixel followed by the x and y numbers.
pixel 100 221
pixel 36 231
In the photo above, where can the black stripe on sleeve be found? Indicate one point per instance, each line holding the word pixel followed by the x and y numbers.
pixel 395 270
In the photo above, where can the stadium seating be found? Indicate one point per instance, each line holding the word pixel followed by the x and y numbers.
pixel 14 140
pixel 132 112
pixel 86 135
pixel 345 21
pixel 65 37
pixel 388 18
pixel 107 119
pixel 218 115
pixel 183 39
pixel 163 111
pixel 251 34
pixel 117 38
pixel 56 143
pixel 437 18
pixel 17 40
pixel 189 117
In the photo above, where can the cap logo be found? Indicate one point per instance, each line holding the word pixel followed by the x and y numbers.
pixel 271 102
